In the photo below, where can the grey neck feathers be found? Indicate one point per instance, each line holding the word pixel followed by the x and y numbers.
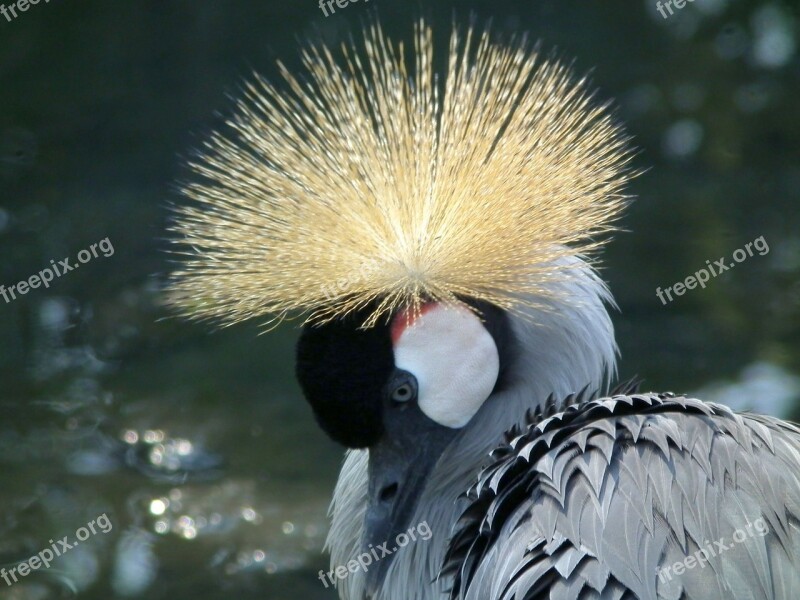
pixel 562 347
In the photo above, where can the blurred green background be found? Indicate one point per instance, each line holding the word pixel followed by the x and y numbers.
pixel 197 444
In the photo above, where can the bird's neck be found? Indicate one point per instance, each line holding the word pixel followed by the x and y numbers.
pixel 562 348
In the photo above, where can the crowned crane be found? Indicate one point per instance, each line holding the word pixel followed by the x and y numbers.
pixel 439 235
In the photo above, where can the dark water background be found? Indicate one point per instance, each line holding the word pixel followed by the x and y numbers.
pixel 197 445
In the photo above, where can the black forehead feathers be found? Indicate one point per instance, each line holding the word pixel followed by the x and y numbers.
pixel 342 371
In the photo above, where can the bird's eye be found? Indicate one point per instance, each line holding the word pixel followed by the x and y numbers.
pixel 404 392
pixel 402 388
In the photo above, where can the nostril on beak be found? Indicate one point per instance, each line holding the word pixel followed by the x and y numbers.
pixel 388 493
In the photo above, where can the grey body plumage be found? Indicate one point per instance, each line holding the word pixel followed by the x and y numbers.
pixel 603 499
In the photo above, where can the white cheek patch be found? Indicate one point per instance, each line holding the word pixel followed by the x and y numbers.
pixel 454 359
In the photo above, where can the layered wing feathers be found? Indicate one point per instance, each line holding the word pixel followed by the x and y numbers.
pixel 647 496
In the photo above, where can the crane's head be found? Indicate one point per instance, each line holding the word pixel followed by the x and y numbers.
pixel 411 218
pixel 403 389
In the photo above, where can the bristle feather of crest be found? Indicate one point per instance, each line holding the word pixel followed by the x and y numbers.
pixel 372 183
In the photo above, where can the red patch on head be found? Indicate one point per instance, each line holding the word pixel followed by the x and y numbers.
pixel 406 318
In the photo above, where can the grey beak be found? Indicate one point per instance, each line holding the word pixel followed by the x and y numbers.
pixel 399 466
